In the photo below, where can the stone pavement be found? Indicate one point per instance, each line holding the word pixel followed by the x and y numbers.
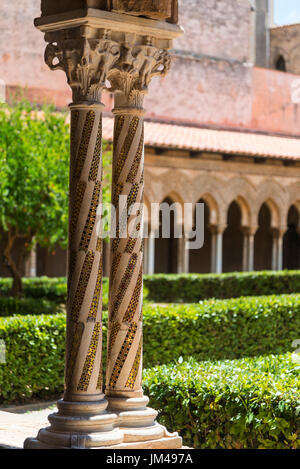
pixel 18 423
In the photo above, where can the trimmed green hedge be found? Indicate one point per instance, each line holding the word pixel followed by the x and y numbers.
pixel 191 288
pixel 218 329
pixel 214 329
pixel 34 357
pixel 52 289
pixel 188 288
pixel 247 403
pixel 23 306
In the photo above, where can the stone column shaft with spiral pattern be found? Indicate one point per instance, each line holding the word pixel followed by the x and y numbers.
pixel 126 277
pixel 129 81
pixel 82 420
pixel 95 49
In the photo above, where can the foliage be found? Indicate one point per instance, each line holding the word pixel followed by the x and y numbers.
pixel 34 356
pixel 52 289
pixel 23 306
pixel 218 329
pixel 34 161
pixel 188 288
pixel 191 288
pixel 246 403
pixel 214 329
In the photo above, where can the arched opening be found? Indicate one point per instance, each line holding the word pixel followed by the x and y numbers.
pixel 291 241
pixel 233 240
pixel 200 259
pixel 263 240
pixel 280 64
pixel 166 249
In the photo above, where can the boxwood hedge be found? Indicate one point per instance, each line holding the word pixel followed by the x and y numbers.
pixel 190 288
pixel 22 306
pixel 187 288
pixel 246 403
pixel 215 329
pixel 51 289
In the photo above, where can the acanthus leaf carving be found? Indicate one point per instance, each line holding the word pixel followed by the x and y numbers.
pixel 86 63
pixel 134 70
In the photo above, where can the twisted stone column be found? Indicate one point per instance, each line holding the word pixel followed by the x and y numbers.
pixel 82 420
pixel 92 50
pixel 137 65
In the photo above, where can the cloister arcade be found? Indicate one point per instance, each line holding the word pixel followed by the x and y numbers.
pixel 255 229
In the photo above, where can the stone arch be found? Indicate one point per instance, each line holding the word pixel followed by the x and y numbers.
pixel 243 192
pixel 214 210
pixel 166 183
pixel 275 213
pixel 276 197
pixel 212 190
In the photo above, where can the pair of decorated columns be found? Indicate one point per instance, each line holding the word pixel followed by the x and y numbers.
pixel 99 50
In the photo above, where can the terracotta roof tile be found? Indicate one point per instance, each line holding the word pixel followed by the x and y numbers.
pixel 217 141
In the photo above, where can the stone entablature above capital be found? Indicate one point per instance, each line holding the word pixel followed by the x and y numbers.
pixel 156 9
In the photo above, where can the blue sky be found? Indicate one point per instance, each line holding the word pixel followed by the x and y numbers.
pixel 286 11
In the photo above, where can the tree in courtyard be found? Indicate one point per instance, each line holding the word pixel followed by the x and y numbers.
pixel 34 154
pixel 34 178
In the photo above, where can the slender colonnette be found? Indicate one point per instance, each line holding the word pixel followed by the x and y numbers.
pixel 82 419
pixel 94 48
pixel 138 63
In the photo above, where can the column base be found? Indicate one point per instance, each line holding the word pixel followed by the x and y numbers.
pixel 127 424
pixel 168 442
pixel 138 424
pixel 78 425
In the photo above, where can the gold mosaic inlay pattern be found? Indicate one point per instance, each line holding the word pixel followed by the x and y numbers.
pixel 75 345
pixel 114 266
pixel 74 122
pixel 91 219
pixel 100 377
pixel 137 160
pixel 96 298
pixel 84 143
pixel 117 192
pixel 118 128
pixel 90 360
pixel 97 155
pixel 99 245
pixel 122 355
pixel 112 336
pixel 72 265
pixel 128 316
pixel 80 190
pixel 135 368
pixel 82 285
pixel 126 147
pixel 124 284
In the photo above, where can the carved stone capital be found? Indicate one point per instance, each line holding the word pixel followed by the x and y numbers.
pixel 134 70
pixel 85 60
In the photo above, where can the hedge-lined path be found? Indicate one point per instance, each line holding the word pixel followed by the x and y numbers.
pixel 20 422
